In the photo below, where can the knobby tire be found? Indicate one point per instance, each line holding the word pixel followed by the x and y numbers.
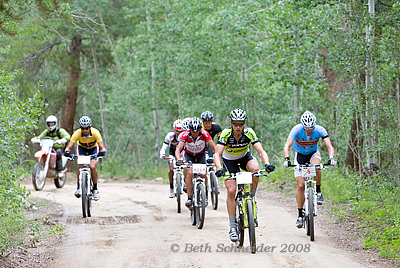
pixel 240 227
pixel 252 229
pixel 310 193
pixel 38 183
pixel 84 196
pixel 201 205
pixel 214 190
pixel 178 192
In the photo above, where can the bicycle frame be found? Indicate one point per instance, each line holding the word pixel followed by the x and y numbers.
pixel 243 182
pixel 178 170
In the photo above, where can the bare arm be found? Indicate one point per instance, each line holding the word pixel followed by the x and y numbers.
pixel 178 150
pixel 211 144
pixel 101 145
pixel 69 146
pixel 261 152
pixel 288 144
pixel 219 148
pixel 330 148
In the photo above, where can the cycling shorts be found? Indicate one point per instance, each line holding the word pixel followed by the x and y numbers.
pixel 201 158
pixel 233 165
pixel 92 151
pixel 304 159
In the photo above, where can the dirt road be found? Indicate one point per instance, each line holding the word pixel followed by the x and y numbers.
pixel 136 225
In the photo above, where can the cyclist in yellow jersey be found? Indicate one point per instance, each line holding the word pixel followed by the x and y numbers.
pixel 233 145
pixel 89 141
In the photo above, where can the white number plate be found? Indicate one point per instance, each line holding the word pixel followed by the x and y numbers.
pixel 244 178
pixel 199 168
pixel 308 172
pixel 83 159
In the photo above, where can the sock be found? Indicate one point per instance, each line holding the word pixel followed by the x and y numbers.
pixel 190 197
pixel 171 186
pixel 318 188
pixel 94 186
pixel 300 212
pixel 232 221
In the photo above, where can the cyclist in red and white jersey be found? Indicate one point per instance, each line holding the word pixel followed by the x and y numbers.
pixel 171 140
pixel 193 142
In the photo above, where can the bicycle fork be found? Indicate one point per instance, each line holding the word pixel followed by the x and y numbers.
pixel 88 185
pixel 306 197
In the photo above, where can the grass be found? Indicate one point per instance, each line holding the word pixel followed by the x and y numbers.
pixel 372 201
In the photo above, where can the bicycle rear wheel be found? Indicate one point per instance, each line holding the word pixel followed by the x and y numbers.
pixel 310 193
pixel 214 190
pixel 201 205
pixel 250 222
pixel 178 191
pixel 84 196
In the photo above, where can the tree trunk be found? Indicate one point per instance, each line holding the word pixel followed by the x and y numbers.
pixel 353 153
pixel 153 88
pixel 71 95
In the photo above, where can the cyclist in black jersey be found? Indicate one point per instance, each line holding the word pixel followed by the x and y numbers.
pixel 213 128
pixel 233 146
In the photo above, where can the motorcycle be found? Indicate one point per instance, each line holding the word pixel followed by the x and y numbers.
pixel 46 165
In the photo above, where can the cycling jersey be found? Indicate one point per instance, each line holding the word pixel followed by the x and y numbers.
pixel 215 130
pixel 234 149
pixel 304 144
pixel 88 142
pixel 198 146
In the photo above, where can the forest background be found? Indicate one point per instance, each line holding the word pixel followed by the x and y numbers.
pixel 136 66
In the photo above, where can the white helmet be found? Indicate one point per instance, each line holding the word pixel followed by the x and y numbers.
pixel 308 119
pixel 178 125
pixel 185 123
pixel 207 116
pixel 52 119
pixel 85 121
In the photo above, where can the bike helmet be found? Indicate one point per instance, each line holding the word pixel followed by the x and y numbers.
pixel 185 123
pixel 178 125
pixel 195 124
pixel 238 115
pixel 207 116
pixel 308 120
pixel 53 119
pixel 85 121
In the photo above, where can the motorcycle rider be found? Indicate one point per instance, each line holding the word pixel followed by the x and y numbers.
pixel 60 136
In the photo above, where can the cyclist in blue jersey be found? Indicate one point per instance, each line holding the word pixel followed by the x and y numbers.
pixel 303 138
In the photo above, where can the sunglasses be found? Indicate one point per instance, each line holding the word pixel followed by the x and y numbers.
pixel 85 128
pixel 308 128
pixel 238 124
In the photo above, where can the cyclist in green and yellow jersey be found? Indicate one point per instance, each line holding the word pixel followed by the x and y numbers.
pixel 233 146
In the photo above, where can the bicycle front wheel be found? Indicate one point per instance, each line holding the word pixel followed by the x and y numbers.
pixel 214 190
pixel 201 205
pixel 84 196
pixel 178 179
pixel 250 222
pixel 240 226
pixel 310 193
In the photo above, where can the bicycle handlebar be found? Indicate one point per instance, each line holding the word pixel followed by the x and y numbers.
pixel 74 156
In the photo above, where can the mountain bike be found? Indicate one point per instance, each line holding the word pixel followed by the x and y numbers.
pixel 85 182
pixel 212 183
pixel 310 196
pixel 179 182
pixel 246 207
pixel 198 209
